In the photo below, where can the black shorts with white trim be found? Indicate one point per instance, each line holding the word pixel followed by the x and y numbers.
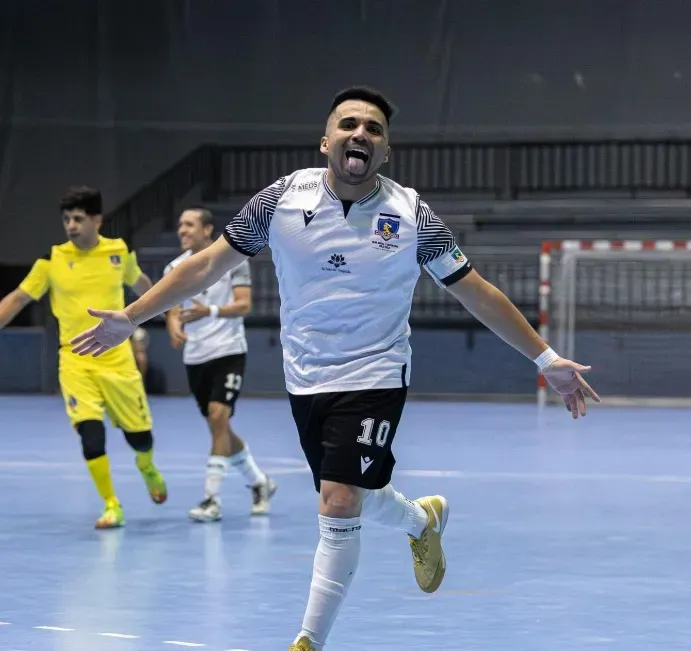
pixel 347 436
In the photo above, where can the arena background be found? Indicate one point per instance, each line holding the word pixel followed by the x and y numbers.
pixel 519 124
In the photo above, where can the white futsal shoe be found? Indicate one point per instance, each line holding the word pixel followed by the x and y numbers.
pixel 261 495
pixel 207 511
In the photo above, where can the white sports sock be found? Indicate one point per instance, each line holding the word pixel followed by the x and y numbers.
pixel 386 506
pixel 216 470
pixel 335 563
pixel 245 464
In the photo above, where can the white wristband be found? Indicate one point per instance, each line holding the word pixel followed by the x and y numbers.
pixel 213 311
pixel 546 359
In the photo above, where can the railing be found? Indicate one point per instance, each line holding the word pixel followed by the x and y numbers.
pixel 500 170
pixel 497 170
pixel 514 270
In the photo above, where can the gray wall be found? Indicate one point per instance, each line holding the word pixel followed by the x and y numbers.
pixel 109 93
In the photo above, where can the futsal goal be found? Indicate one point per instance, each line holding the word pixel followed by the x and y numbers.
pixel 623 307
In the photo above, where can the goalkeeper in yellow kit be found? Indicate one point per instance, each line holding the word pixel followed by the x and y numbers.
pixel 90 269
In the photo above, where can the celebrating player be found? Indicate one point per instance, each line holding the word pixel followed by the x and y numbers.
pixel 90 269
pixel 347 244
pixel 211 330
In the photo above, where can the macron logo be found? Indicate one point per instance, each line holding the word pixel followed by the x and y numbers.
pixel 365 462
pixel 309 215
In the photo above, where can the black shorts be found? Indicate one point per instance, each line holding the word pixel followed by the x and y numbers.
pixel 347 436
pixel 218 380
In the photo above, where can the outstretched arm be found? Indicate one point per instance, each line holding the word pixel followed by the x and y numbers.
pixel 450 269
pixel 189 278
pixel 246 235
pixel 492 307
pixel 12 305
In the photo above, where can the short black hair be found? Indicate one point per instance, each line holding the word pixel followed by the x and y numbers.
pixel 84 198
pixel 366 94
pixel 206 217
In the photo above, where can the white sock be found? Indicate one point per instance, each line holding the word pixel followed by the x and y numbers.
pixel 216 470
pixel 335 563
pixel 245 464
pixel 386 506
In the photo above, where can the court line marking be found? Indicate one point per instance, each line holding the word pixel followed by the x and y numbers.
pixel 557 476
pixel 438 474
pixel 124 636
pixel 301 467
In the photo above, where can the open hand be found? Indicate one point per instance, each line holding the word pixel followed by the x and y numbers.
pixel 194 313
pixel 565 378
pixel 114 328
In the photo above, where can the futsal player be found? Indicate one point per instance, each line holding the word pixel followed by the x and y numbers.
pixel 348 244
pixel 210 329
pixel 90 269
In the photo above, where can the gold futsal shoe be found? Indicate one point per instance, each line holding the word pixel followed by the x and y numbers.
pixel 303 644
pixel 429 562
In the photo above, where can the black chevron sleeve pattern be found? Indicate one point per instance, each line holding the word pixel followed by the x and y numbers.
pixel 434 239
pixel 248 231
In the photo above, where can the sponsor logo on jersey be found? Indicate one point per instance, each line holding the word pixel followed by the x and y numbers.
pixel 309 185
pixel 337 262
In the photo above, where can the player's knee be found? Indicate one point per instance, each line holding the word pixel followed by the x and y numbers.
pixel 340 500
pixel 140 441
pixel 218 417
pixel 93 436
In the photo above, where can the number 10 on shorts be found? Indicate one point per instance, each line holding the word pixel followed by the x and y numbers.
pixel 382 432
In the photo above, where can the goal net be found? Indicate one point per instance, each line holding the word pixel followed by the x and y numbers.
pixel 625 309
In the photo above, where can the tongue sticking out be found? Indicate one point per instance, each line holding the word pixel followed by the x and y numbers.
pixel 355 165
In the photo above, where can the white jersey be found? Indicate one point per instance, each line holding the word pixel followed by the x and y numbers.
pixel 346 281
pixel 211 338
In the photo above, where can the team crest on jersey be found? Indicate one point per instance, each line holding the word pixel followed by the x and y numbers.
pixel 72 402
pixel 115 260
pixel 386 231
pixel 387 227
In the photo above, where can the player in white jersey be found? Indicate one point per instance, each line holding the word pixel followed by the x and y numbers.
pixel 210 329
pixel 348 244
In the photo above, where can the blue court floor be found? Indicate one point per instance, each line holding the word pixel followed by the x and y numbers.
pixel 563 536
